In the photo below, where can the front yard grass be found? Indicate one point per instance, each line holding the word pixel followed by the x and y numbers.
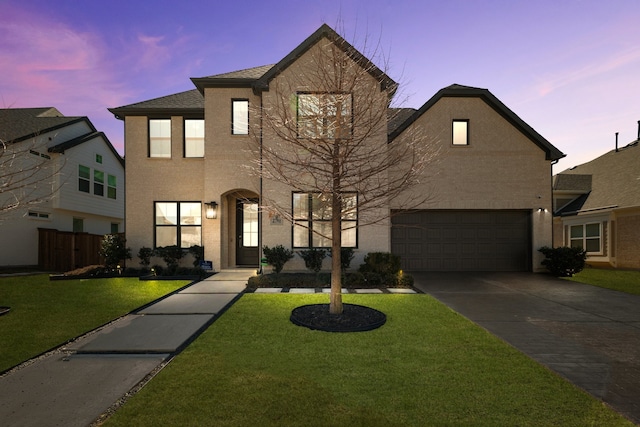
pixel 617 280
pixel 45 314
pixel 426 366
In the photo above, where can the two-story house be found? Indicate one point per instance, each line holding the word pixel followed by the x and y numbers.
pixel 58 173
pixel 192 169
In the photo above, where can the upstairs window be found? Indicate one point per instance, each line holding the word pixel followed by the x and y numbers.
pixel 98 183
pixel 111 187
pixel 99 158
pixel 160 138
pixel 324 115
pixel 312 220
pixel 240 117
pixel 461 132
pixel 194 138
pixel 84 179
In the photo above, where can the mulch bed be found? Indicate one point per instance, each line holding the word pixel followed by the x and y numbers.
pixel 354 318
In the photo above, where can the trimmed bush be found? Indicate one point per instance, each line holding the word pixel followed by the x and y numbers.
pixel 381 263
pixel 145 255
pixel 313 258
pixel 277 256
pixel 563 261
pixel 198 254
pixel 113 249
pixel 346 256
pixel 171 255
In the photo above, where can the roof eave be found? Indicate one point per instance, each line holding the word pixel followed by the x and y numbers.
pixel 201 83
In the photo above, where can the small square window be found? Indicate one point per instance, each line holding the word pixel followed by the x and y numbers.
pixel 461 132
pixel 99 158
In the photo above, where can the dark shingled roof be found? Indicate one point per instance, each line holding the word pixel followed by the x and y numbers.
pixel 572 182
pixel 397 116
pixel 615 179
pixel 190 102
pixel 456 90
pixel 18 124
pixel 248 73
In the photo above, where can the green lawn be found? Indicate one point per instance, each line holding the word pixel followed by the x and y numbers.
pixel 618 280
pixel 426 366
pixel 45 314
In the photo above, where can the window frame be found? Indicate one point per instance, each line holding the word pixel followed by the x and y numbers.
pixel 82 180
pixel 303 223
pixel 453 132
pixel 184 129
pixel 179 225
pixel 245 129
pixel 325 118
pixel 112 188
pixel 150 139
pixel 583 238
pixel 98 183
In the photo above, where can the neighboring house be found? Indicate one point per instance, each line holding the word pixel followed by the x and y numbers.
pixel 77 182
pixel 489 204
pixel 597 207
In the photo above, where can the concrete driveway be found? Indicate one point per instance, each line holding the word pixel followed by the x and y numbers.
pixel 589 335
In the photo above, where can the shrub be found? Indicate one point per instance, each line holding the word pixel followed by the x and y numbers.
pixel 145 255
pixel 313 258
pixel 563 261
pixel 346 256
pixel 171 255
pixel 112 248
pixel 381 263
pixel 198 254
pixel 277 256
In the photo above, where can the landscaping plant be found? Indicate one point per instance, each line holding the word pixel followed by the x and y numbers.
pixel 277 256
pixel 313 258
pixel 114 250
pixel 563 261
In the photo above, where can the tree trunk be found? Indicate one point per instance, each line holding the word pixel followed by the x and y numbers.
pixel 335 306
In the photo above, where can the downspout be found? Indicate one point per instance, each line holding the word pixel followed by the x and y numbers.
pixel 553 162
pixel 260 195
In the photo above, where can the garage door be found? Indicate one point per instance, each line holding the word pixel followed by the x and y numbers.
pixel 469 240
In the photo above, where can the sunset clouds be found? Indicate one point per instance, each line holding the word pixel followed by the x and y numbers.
pixel 569 69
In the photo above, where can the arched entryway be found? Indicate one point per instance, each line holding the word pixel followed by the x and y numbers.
pixel 242 228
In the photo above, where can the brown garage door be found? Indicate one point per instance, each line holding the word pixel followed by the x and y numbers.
pixel 469 240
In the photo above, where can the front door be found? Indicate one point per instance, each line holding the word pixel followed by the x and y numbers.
pixel 247 232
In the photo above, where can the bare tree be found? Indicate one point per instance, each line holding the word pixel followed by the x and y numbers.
pixel 324 132
pixel 28 174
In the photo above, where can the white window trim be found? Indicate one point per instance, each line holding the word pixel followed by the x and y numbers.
pixel 584 236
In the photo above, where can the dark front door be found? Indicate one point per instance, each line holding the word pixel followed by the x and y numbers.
pixel 247 232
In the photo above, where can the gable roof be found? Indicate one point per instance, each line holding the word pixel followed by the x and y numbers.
pixel 190 102
pixel 460 91
pixel 386 83
pixel 615 180
pixel 578 183
pixel 240 78
pixel 19 124
pixel 62 147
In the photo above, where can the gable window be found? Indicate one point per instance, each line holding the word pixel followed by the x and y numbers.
pixel 84 179
pixel 98 183
pixel 111 187
pixel 178 223
pixel 99 158
pixel 461 132
pixel 586 237
pixel 324 115
pixel 240 117
pixel 194 138
pixel 160 138
pixel 312 220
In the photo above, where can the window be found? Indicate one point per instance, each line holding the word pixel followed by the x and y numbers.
pixel 99 158
pixel 38 154
pixel 586 237
pixel 194 138
pixel 84 179
pixel 98 183
pixel 39 215
pixel 160 138
pixel 178 223
pixel 240 117
pixel 111 187
pixel 312 220
pixel 114 227
pixel 324 115
pixel 461 132
pixel 78 225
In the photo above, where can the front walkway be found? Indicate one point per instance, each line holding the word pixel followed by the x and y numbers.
pixel 74 385
pixel 588 335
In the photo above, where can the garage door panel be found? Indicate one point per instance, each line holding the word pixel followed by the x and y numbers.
pixel 463 240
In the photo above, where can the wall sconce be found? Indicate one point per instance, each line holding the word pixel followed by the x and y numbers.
pixel 211 210
pixel 542 210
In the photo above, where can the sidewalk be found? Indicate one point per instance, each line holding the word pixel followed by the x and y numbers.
pixel 76 384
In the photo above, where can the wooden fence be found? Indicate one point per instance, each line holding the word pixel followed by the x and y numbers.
pixel 63 251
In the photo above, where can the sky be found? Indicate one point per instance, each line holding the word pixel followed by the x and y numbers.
pixel 570 69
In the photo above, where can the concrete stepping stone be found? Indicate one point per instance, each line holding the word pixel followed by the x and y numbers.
pixel 216 287
pixel 190 304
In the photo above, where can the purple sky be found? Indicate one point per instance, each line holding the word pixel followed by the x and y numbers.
pixel 570 68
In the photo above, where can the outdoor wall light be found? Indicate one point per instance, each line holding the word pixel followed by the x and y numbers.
pixel 542 210
pixel 211 210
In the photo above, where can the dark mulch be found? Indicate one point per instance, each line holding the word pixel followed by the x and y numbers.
pixel 354 318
